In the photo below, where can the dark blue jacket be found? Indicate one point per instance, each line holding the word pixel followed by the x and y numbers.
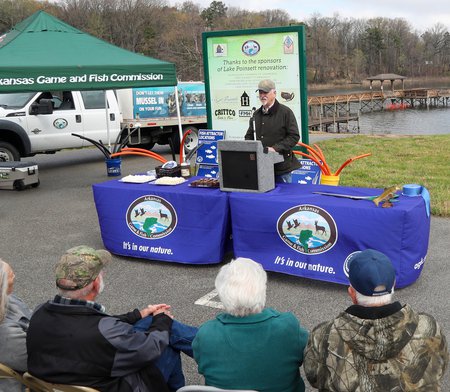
pixel 76 344
pixel 278 129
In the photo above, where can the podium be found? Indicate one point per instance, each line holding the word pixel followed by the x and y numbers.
pixel 246 166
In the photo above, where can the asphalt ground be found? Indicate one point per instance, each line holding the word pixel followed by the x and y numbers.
pixel 38 225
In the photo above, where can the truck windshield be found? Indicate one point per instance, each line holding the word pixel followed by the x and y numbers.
pixel 15 100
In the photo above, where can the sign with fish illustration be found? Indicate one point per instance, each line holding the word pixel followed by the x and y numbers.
pixel 208 171
pixel 308 173
pixel 151 217
pixel 207 152
pixel 307 229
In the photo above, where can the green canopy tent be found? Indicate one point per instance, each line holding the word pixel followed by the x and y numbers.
pixel 44 53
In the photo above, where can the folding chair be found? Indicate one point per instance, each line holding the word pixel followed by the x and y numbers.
pixel 205 388
pixel 38 385
pixel 7 372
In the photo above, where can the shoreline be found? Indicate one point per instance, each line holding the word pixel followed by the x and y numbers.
pixel 410 83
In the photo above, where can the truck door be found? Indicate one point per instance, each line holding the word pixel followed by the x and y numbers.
pixel 94 115
pixel 53 131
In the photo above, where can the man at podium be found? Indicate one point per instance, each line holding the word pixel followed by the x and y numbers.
pixel 274 124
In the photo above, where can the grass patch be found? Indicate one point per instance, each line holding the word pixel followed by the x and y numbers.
pixel 395 160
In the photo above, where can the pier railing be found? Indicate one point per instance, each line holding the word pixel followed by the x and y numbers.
pixel 334 112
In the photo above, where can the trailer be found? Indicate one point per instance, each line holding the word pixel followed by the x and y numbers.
pixel 153 110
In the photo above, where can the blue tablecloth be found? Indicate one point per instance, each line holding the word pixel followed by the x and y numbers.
pixel 294 231
pixel 170 223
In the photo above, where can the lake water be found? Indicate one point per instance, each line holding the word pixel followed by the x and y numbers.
pixel 431 121
pixel 417 121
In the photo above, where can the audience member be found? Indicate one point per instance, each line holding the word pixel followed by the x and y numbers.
pixel 376 345
pixel 71 340
pixel 249 346
pixel 14 320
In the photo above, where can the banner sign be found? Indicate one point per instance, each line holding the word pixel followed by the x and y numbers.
pixel 235 62
pixel 154 102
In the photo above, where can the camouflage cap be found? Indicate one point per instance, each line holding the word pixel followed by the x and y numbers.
pixel 80 266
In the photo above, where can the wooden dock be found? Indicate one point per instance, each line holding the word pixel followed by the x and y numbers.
pixel 335 110
pixel 334 124
pixel 423 97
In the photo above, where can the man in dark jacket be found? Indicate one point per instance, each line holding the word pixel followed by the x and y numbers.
pixel 71 340
pixel 376 345
pixel 275 125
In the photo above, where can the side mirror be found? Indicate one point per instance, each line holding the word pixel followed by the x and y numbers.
pixel 45 106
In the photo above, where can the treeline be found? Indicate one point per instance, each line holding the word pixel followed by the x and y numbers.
pixel 345 49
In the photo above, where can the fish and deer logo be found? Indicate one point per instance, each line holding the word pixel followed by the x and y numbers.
pixel 307 229
pixel 151 217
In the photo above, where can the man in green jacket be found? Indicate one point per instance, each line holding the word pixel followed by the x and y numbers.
pixel 376 345
pixel 275 125
pixel 249 346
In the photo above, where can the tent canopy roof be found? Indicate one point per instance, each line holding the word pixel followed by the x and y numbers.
pixel 44 53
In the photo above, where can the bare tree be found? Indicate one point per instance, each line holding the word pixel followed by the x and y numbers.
pixel 344 49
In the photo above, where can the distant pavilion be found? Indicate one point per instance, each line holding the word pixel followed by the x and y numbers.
pixel 387 76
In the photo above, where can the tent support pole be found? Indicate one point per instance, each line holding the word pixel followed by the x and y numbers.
pixel 107 123
pixel 180 128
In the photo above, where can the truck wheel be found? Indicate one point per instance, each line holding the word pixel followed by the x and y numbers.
pixel 19 185
pixel 191 140
pixel 8 152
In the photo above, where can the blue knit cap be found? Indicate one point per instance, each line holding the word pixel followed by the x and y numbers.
pixel 369 269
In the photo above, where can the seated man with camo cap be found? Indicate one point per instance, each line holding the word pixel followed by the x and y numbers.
pixel 377 344
pixel 71 340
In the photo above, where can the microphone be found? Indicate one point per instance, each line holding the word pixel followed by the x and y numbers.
pixel 254 122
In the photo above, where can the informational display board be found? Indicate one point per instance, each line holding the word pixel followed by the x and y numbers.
pixel 235 62
pixel 308 173
pixel 209 171
pixel 207 159
pixel 207 152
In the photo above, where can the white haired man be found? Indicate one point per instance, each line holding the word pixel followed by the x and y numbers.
pixel 249 346
pixel 14 320
pixel 376 344
pixel 71 340
pixel 275 125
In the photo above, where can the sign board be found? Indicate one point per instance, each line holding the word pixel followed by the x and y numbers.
pixel 155 102
pixel 209 171
pixel 235 61
pixel 308 173
pixel 207 152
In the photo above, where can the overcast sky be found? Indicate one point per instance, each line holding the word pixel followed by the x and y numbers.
pixel 421 14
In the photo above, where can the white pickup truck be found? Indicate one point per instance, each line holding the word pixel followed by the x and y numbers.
pixel 34 123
